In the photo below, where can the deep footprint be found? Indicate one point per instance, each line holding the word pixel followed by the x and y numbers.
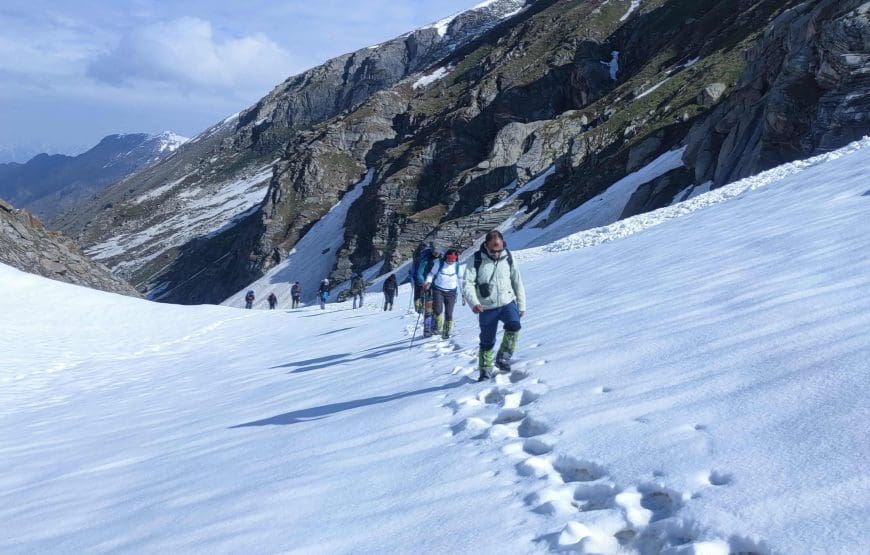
pixel 575 470
pixel 661 502
pixel 506 416
pixel 595 497
pixel 534 446
pixel 531 427
pixel 492 396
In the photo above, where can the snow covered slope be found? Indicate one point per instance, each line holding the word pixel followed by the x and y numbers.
pixel 697 387
pixel 311 259
pixel 176 214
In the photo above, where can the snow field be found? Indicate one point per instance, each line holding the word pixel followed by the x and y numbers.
pixel 696 386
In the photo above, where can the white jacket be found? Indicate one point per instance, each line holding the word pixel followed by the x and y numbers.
pixel 445 276
pixel 506 284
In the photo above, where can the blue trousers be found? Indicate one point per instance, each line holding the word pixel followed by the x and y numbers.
pixel 489 319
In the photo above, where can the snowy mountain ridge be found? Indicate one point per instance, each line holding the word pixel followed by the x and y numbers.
pixel 677 397
pixel 47 185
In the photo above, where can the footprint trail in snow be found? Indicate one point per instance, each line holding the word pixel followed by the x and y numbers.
pixel 584 509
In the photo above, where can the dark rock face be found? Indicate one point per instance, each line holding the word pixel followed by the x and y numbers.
pixel 658 193
pixel 48 185
pixel 806 89
pixel 26 244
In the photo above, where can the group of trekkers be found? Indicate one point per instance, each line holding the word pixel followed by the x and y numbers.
pixel 295 294
pixel 491 284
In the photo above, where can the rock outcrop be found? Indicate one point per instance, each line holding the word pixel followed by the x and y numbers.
pixel 806 89
pixel 26 244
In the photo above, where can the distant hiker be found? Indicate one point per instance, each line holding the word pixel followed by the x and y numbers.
pixel 391 285
pixel 273 301
pixel 357 289
pixel 296 294
pixel 249 299
pixel 420 267
pixel 444 282
pixel 323 293
pixel 494 290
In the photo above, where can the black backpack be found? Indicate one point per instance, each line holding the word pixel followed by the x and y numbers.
pixel 478 259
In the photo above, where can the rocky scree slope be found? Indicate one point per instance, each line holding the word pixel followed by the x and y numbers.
pixel 142 226
pixel 48 185
pixel 581 92
pixel 26 244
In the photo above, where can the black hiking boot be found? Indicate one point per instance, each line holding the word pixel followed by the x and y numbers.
pixel 503 362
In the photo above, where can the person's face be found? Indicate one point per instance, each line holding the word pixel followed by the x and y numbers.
pixel 495 247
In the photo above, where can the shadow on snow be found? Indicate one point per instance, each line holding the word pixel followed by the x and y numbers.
pixel 316 413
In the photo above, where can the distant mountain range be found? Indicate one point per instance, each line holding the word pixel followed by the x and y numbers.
pixel 49 184
pixel 22 152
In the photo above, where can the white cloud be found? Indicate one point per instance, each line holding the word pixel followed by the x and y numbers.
pixel 186 52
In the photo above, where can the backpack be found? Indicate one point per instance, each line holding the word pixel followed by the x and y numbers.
pixel 390 284
pixel 430 262
pixel 478 260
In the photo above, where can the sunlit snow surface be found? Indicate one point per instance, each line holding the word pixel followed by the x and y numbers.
pixel 699 386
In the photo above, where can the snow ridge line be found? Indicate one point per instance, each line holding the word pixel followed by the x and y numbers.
pixel 635 224
pixel 586 510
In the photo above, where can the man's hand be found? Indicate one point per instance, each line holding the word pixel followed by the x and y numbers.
pixel 477 309
pixel 522 313
pixel 425 287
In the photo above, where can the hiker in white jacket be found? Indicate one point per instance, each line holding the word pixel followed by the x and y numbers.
pixel 495 292
pixel 444 279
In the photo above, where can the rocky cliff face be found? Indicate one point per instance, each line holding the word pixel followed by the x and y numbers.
pixel 48 185
pixel 26 244
pixel 531 118
pixel 806 89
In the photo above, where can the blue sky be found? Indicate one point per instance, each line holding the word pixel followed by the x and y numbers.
pixel 73 72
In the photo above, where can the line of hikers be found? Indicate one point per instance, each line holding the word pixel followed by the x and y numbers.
pixel 295 295
pixel 491 284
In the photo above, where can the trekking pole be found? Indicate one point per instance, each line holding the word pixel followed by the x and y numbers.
pixel 414 335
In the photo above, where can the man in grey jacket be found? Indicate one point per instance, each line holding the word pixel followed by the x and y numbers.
pixel 494 291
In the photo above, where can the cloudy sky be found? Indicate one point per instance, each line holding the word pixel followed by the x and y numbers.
pixel 73 72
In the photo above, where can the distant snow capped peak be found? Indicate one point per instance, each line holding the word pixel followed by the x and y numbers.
pixel 169 141
pixel 496 9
